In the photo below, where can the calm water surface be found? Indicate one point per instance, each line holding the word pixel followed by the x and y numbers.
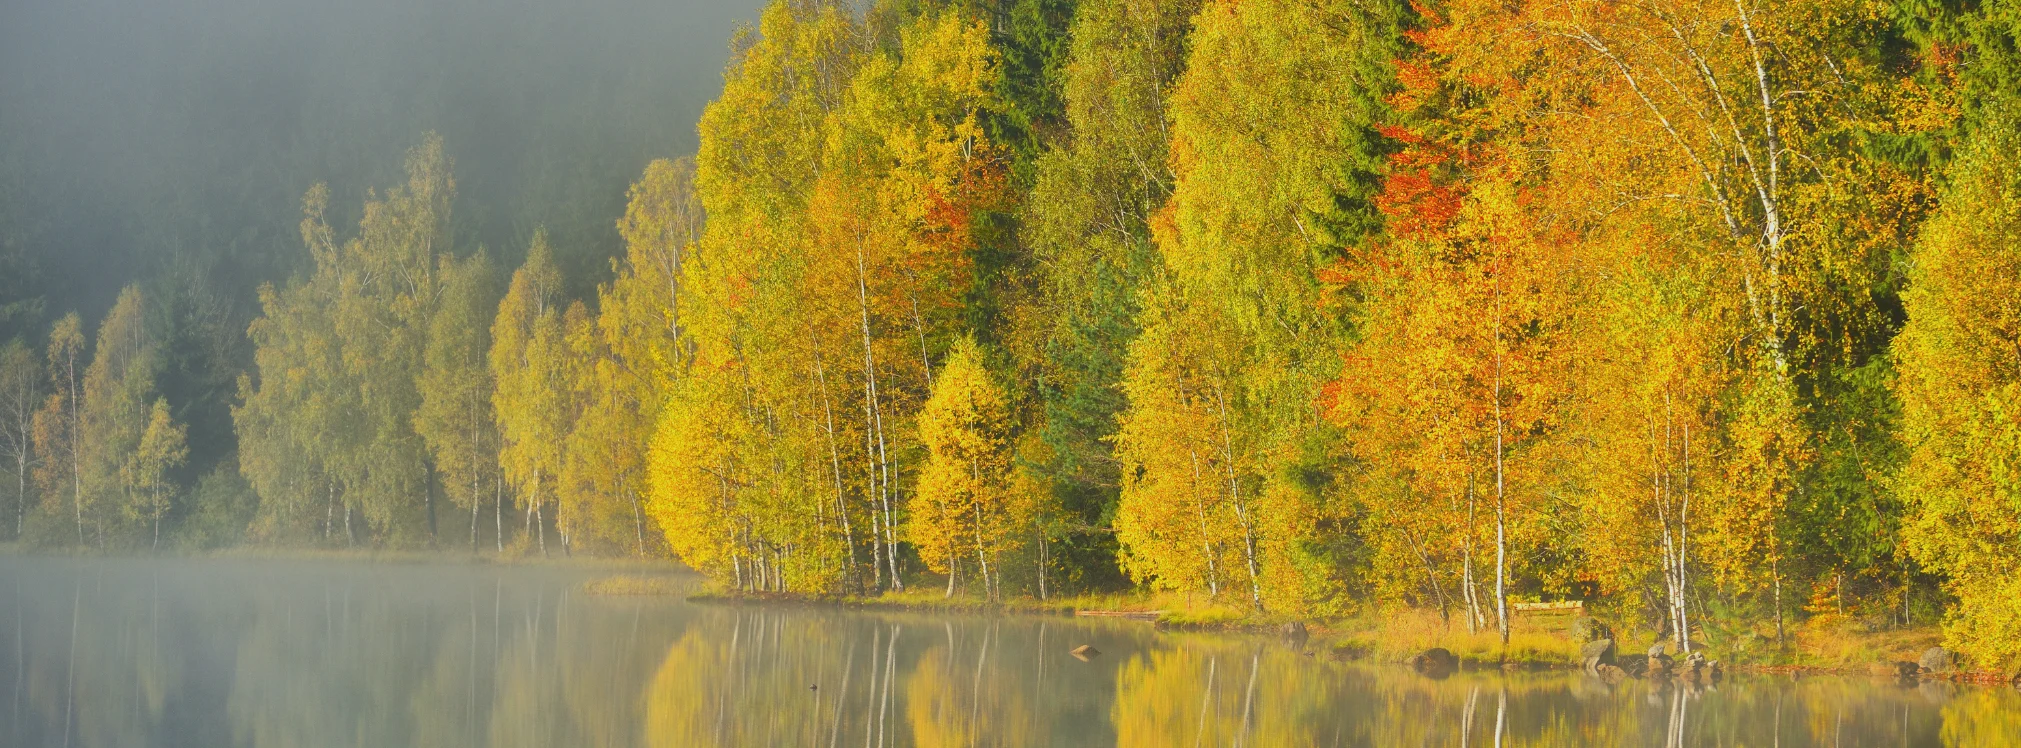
pixel 293 653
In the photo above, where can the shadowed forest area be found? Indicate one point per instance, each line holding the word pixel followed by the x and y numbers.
pixel 1706 313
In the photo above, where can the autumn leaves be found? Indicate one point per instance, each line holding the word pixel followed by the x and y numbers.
pixel 1307 307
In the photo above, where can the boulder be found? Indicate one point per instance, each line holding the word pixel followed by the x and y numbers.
pixel 1435 661
pixel 1661 665
pixel 1610 673
pixel 1656 650
pixel 1596 653
pixel 1085 652
pixel 1588 629
pixel 1936 660
pixel 1294 630
pixel 1902 669
pixel 1635 667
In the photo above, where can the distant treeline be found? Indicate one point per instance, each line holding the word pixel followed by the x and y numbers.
pixel 1706 312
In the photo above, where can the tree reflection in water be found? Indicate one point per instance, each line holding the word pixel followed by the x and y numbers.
pixel 114 653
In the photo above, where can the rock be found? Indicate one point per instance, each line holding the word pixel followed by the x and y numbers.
pixel 1435 661
pixel 1596 653
pixel 1294 630
pixel 1085 652
pixel 1588 628
pixel 1656 650
pixel 1936 660
pixel 1635 667
pixel 1610 673
pixel 1902 669
pixel 1350 650
pixel 1661 665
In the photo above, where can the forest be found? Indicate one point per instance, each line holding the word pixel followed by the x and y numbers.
pixel 1704 312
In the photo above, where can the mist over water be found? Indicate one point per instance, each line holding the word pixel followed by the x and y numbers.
pixel 143 138
pixel 298 653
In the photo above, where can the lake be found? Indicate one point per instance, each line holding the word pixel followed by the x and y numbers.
pixel 98 652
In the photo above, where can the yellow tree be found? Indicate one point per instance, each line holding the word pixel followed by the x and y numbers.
pixel 531 399
pixel 1275 162
pixel 1961 394
pixel 114 413
pixel 163 447
pixel 57 425
pixel 762 362
pixel 633 356
pixel 1172 517
pixel 965 502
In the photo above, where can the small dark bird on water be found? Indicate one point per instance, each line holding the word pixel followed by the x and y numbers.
pixel 813 687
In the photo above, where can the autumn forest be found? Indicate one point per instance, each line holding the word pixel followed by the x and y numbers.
pixel 1704 312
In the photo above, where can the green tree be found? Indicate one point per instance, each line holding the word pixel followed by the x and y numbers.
pixel 340 356
pixel 455 417
pixel 20 398
pixel 1087 217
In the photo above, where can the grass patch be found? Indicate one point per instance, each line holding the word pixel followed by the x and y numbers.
pixel 633 584
pixel 1395 636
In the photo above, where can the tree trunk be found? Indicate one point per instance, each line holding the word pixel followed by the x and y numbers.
pixel 1235 496
pixel 21 494
pixel 1206 540
pixel 638 521
pixel 75 426
pixel 1501 493
pixel 498 512
pixel 981 559
pixel 428 501
pixel 835 464
pixel 874 417
pixel 1042 565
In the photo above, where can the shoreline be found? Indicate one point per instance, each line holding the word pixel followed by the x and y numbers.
pixel 1338 643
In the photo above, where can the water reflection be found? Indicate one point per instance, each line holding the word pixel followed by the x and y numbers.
pixel 125 653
